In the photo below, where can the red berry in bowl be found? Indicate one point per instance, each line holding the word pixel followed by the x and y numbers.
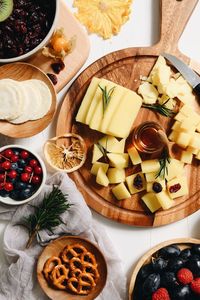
pixel 28 169
pixel 195 286
pixel 25 177
pixel 184 276
pixel 38 170
pixel 12 174
pixel 33 163
pixel 8 153
pixel 36 179
pixel 14 158
pixel 6 165
pixel 24 154
pixel 2 177
pixel 8 186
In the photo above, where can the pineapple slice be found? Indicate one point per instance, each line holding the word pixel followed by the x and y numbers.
pixel 177 187
pixel 116 175
pixel 151 202
pixel 136 183
pixel 98 165
pixel 120 192
pixel 101 178
pixel 134 156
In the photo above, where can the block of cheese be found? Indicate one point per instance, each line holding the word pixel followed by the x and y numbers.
pixel 159 63
pixel 150 185
pixel 161 78
pixel 136 183
pixel 151 202
pixel 149 166
pixel 96 154
pixel 187 125
pixel 81 116
pixel 101 178
pixel 116 175
pixel 95 113
pixel 176 126
pixel 187 156
pixel 148 92
pixel 198 155
pixel 98 165
pixel 111 144
pixel 183 139
pixel 195 141
pixel 177 187
pixel 118 160
pixel 126 113
pixel 164 199
pixel 175 168
pixel 173 135
pixel 121 192
pixel 150 177
pixel 189 112
pixel 172 88
pixel 134 156
pixel 179 116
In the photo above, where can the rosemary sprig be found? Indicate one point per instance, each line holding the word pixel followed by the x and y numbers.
pixel 164 162
pixel 47 214
pixel 106 96
pixel 160 108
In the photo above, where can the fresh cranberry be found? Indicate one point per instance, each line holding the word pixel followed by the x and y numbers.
pixel 25 177
pixel 8 153
pixel 175 188
pixel 6 165
pixel 8 186
pixel 36 179
pixel 38 170
pixel 2 177
pixel 12 174
pixel 24 154
pixel 14 158
pixel 33 163
pixel 28 169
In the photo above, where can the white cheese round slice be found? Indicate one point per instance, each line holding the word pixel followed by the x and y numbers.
pixel 11 99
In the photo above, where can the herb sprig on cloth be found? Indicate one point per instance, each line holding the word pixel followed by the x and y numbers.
pixel 47 215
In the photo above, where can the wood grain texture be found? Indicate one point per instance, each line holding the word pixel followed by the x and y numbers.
pixel 183 243
pixel 125 67
pixel 75 60
pixel 20 72
pixel 53 249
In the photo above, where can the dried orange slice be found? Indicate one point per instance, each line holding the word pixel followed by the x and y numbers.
pixel 65 153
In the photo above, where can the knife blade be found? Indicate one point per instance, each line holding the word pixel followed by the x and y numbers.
pixel 190 76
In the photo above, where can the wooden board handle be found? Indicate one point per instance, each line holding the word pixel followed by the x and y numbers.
pixel 174 17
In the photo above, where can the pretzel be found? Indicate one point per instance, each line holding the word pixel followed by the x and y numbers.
pixel 59 277
pixel 50 265
pixel 88 257
pixel 82 285
pixel 91 270
pixel 71 251
pixel 76 263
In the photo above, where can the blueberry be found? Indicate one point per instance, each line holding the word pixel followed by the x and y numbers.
pixel 169 251
pixel 14 166
pixel 19 185
pixel 20 170
pixel 181 293
pixel 21 163
pixel 194 266
pixel 151 284
pixel 4 194
pixel 195 249
pixel 168 280
pixel 145 271
pixel 175 264
pixel 159 265
pixel 24 194
pixel 15 195
pixel 186 253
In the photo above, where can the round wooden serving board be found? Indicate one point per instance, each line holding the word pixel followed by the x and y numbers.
pixel 183 243
pixel 125 68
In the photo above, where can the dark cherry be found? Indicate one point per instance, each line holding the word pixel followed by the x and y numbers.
pixel 38 170
pixel 8 187
pixel 24 154
pixel 25 177
pixel 33 163
pixel 6 165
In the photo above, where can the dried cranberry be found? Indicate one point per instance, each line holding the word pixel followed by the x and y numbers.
pixel 137 182
pixel 53 78
pixel 157 187
pixel 175 188
pixel 58 66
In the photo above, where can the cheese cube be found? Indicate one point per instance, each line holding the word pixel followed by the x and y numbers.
pixel 176 126
pixel 179 117
pixel 164 199
pixel 161 78
pixel 98 165
pixel 97 154
pixel 193 150
pixel 187 125
pixel 134 156
pixel 136 183
pixel 101 178
pixel 81 115
pixel 126 113
pixel 177 187
pixel 149 93
pixel 195 141
pixel 183 139
pixel 187 156
pixel 172 88
pixel 159 63
pixel 173 136
pixel 151 202
pixel 111 144
pixel 116 175
pixel 175 168
pixel 149 166
pixel 151 176
pixel 189 112
pixel 118 160
pixel 120 192
pixel 150 185
pixel 198 155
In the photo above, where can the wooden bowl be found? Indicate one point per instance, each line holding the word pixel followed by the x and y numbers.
pixel 54 248
pixel 20 72
pixel 182 243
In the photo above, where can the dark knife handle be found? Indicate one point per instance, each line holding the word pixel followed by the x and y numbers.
pixel 197 89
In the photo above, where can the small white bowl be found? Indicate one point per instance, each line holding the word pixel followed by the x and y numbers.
pixel 40 46
pixel 8 200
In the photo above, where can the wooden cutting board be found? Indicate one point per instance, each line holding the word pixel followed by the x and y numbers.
pixel 125 67
pixel 75 60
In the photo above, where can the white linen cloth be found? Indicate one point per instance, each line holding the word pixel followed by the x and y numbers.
pixel 18 276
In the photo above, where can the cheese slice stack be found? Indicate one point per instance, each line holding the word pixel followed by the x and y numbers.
pixel 118 116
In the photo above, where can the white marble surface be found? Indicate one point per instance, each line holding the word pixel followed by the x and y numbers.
pixel 141 30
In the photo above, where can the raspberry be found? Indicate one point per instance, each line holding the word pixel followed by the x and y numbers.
pixel 185 276
pixel 161 294
pixel 195 286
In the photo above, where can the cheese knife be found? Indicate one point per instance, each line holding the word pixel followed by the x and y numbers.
pixel 190 76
